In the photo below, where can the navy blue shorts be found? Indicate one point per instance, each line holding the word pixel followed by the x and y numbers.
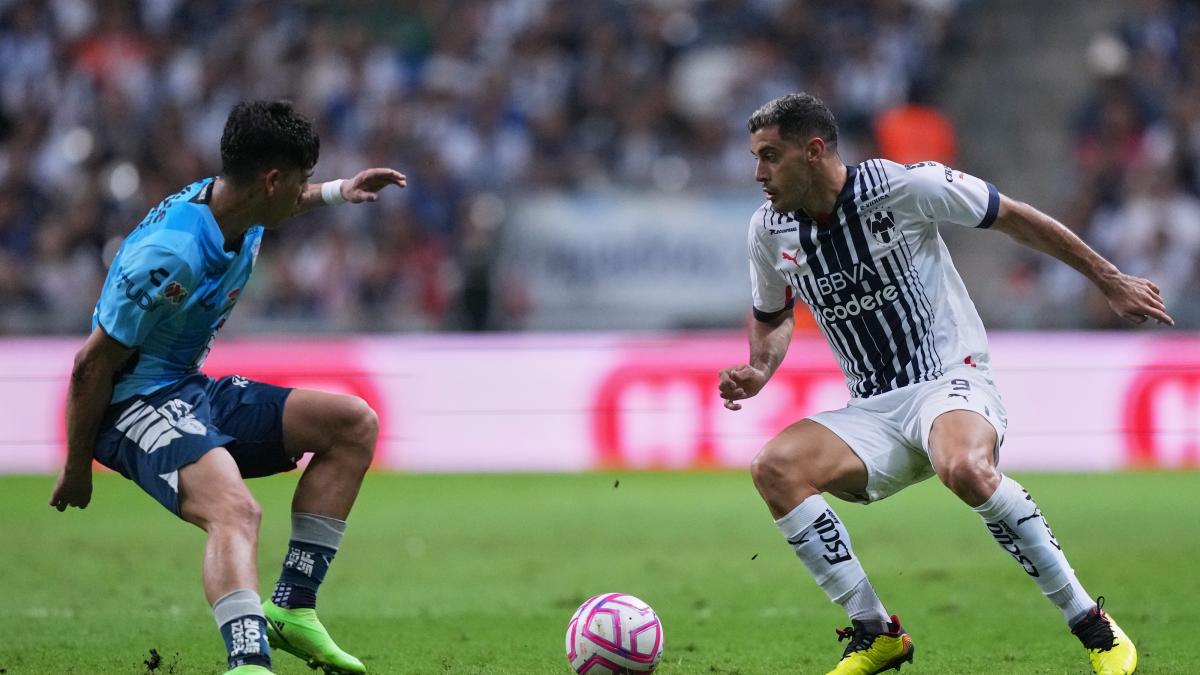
pixel 148 439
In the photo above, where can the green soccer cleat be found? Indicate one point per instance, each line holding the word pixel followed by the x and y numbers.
pixel 299 632
pixel 248 670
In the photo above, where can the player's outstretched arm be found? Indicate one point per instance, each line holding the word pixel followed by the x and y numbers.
pixel 363 187
pixel 1132 298
pixel 88 394
pixel 769 342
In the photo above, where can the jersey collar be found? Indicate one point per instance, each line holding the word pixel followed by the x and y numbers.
pixel 214 240
pixel 846 195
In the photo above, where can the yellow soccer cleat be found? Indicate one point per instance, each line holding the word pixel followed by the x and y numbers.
pixel 248 670
pixel 1109 648
pixel 870 651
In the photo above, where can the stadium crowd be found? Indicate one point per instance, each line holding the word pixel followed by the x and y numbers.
pixel 106 106
pixel 110 105
pixel 1137 153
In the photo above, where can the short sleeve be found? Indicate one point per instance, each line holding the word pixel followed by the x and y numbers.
pixel 771 292
pixel 147 287
pixel 944 195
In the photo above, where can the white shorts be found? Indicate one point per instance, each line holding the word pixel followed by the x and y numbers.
pixel 890 432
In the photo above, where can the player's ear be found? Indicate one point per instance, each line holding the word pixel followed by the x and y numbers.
pixel 272 178
pixel 814 149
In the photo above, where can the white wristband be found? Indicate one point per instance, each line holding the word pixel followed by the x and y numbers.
pixel 331 192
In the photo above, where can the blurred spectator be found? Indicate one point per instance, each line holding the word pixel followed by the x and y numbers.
pixel 915 131
pixel 1155 231
pixel 109 105
pixel 1111 126
pixel 1137 153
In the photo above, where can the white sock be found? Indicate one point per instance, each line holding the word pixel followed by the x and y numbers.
pixel 823 545
pixel 1073 601
pixel 1017 524
pixel 862 604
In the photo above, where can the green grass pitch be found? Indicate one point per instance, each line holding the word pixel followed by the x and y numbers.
pixel 479 574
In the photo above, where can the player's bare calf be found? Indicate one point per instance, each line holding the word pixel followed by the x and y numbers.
pixel 341 432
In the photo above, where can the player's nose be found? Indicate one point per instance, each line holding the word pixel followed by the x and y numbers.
pixel 760 173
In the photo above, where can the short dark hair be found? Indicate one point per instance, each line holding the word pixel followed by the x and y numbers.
pixel 262 135
pixel 798 116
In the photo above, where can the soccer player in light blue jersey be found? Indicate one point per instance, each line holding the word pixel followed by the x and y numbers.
pixel 138 403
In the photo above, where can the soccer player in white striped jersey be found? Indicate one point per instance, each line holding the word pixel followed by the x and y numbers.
pixel 860 246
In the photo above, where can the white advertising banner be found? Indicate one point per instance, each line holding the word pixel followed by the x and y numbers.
pixel 600 260
pixel 1076 401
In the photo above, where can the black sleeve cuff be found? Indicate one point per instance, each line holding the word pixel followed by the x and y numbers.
pixel 993 207
pixel 768 317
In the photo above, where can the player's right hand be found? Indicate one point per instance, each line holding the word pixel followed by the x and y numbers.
pixel 366 184
pixel 74 488
pixel 1137 300
pixel 739 382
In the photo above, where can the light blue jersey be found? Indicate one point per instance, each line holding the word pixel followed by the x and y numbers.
pixel 170 289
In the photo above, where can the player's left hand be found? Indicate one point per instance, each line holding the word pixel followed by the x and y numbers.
pixel 74 488
pixel 365 186
pixel 740 382
pixel 1136 299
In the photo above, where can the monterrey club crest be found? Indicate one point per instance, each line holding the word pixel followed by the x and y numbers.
pixel 882 226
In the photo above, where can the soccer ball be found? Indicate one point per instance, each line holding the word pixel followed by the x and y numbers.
pixel 614 633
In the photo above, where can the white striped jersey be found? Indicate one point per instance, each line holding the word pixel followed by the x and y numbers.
pixel 879 281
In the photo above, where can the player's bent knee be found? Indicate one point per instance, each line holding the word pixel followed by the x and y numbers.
pixel 778 468
pixel 969 472
pixel 368 426
pixel 765 468
pixel 212 493
pixel 239 511
pixel 365 427
pixel 360 430
pixel 229 513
